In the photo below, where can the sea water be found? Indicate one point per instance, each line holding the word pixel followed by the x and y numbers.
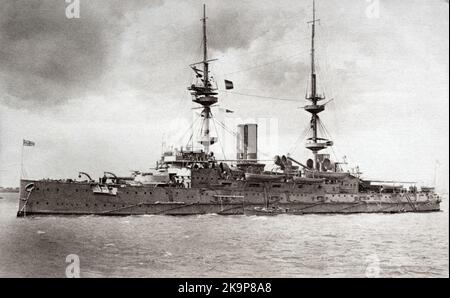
pixel 355 245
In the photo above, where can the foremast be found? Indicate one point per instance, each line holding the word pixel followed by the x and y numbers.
pixel 204 92
pixel 315 143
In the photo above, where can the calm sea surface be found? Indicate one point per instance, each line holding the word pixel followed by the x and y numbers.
pixel 385 245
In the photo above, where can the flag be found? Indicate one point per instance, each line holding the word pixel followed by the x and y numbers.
pixel 228 85
pixel 28 143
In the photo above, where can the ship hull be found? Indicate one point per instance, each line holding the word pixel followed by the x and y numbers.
pixel 53 197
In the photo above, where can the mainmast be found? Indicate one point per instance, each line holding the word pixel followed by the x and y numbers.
pixel 313 67
pixel 203 91
pixel 205 48
pixel 315 143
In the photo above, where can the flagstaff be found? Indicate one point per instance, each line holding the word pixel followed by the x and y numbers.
pixel 28 144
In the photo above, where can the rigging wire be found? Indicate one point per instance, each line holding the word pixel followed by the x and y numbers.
pixel 265 154
pixel 260 96
pixel 189 128
pixel 281 21
pixel 221 124
pixel 303 135
pixel 264 64
pixel 235 134
pixel 220 142
pixel 295 44
pixel 335 107
pixel 307 128
pixel 320 127
pixel 328 136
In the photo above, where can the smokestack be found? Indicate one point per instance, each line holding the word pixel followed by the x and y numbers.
pixel 247 142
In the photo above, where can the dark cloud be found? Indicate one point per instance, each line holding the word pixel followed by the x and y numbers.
pixel 288 77
pixel 46 58
pixel 229 28
pixel 233 27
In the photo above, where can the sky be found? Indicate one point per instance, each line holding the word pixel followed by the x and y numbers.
pixel 107 91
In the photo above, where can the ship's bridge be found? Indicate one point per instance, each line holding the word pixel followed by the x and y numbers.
pixel 184 156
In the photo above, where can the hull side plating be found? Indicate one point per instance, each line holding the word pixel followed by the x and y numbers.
pixel 53 197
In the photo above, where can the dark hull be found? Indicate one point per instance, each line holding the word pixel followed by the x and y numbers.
pixel 295 209
pixel 50 197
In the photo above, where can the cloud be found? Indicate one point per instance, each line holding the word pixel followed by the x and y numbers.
pixel 238 28
pixel 47 59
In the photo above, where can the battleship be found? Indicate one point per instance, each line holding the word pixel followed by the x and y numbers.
pixel 190 181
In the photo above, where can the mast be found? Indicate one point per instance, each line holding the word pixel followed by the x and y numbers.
pixel 313 67
pixel 205 48
pixel 203 91
pixel 315 143
pixel 207 110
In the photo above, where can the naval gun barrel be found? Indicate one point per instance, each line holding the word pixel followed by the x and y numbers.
pixel 297 162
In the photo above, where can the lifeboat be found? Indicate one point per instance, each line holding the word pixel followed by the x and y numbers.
pixel 263 177
pixel 154 177
pixel 327 175
pixel 307 180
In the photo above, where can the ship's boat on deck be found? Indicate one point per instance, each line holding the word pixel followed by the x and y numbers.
pixel 263 177
pixel 328 175
pixel 307 180
pixel 153 177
